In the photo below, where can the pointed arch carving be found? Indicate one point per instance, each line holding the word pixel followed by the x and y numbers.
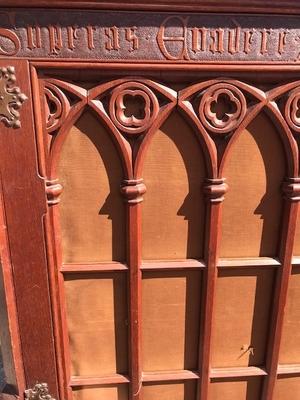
pixel 132 133
pixel 241 104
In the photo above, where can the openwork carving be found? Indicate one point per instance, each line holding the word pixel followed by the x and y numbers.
pixel 133 107
pixel 222 108
pixel 292 110
pixel 11 98
pixel 39 392
pixel 57 107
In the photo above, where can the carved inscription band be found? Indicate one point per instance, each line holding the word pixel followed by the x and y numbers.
pixel 134 36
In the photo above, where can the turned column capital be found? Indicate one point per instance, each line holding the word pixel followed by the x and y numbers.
pixel 133 190
pixel 291 189
pixel 215 189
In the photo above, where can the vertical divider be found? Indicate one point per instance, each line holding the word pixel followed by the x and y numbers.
pixel 133 191
pixel 291 189
pixel 214 191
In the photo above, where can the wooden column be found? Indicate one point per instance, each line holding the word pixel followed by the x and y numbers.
pixel 291 189
pixel 133 191
pixel 24 202
pixel 214 191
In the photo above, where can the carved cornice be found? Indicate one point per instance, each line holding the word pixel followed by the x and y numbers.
pixel 11 98
pixel 39 392
pixel 258 6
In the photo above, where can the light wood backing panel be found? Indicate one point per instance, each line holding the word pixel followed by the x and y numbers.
pixel 97 323
pixel 290 342
pixel 171 313
pixel 235 389
pixel 173 208
pixel 92 212
pixel 287 388
pixel 107 392
pixel 170 391
pixel 297 236
pixel 241 317
pixel 255 170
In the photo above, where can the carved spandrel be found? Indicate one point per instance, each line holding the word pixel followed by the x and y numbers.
pixel 151 36
pixel 11 98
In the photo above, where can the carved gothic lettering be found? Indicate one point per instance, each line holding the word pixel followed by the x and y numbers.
pixel 248 38
pixel 234 40
pixel 55 39
pixel 34 37
pixel 72 34
pixel 113 42
pixel 282 41
pixel 181 39
pixel 130 35
pixel 9 43
pixel 150 37
pixel 199 44
pixel 90 37
pixel 265 33
pixel 217 41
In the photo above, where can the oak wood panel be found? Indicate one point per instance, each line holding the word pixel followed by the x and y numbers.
pixel 173 174
pixel 242 312
pixel 251 213
pixel 235 389
pixel 92 213
pixel 97 323
pixel 108 392
pixel 170 391
pixel 171 312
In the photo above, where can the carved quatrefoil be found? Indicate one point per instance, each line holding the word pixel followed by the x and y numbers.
pixel 222 108
pixel 144 113
pixel 11 98
pixel 292 110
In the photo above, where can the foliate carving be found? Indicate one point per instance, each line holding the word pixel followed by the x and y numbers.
pixel 133 190
pixel 215 189
pixel 133 107
pixel 57 107
pixel 39 392
pixel 292 109
pixel 291 189
pixel 11 98
pixel 222 108
pixel 53 192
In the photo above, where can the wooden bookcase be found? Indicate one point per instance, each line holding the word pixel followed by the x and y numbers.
pixel 149 229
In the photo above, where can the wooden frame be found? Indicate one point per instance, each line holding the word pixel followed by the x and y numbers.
pixel 46 342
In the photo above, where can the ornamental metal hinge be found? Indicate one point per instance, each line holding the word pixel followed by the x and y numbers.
pixel 39 392
pixel 11 98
